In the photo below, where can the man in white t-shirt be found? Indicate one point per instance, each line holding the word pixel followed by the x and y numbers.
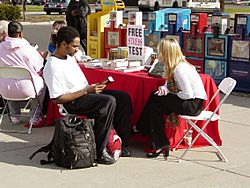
pixel 68 86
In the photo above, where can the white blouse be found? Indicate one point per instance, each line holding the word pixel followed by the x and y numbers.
pixel 188 82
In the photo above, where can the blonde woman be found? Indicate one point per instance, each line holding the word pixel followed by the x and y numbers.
pixel 183 93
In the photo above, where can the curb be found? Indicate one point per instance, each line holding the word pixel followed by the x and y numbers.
pixel 37 23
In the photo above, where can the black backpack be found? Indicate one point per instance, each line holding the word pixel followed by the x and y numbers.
pixel 73 144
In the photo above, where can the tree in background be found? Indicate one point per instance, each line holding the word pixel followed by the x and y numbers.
pixel 222 5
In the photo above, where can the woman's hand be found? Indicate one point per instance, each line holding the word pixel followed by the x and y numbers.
pixel 162 91
pixel 96 88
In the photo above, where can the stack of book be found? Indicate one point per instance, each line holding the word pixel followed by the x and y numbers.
pixel 96 64
pixel 122 65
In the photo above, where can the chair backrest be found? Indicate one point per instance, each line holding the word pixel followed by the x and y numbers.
pixel 19 73
pixel 227 85
pixel 14 72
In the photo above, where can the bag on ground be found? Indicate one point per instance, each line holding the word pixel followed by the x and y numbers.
pixel 114 145
pixel 73 144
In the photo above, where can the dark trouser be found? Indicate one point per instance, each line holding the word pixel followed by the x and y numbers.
pixel 46 102
pixel 151 121
pixel 122 114
pixel 111 108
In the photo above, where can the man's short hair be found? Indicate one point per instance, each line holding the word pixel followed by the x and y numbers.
pixel 14 28
pixel 67 34
pixel 3 28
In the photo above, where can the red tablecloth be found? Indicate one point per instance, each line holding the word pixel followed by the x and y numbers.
pixel 139 86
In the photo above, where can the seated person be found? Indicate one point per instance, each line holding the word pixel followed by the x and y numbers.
pixel 16 51
pixel 3 34
pixel 183 93
pixel 68 86
pixel 52 43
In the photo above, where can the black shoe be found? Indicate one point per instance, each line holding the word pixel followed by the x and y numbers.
pixel 105 158
pixel 164 150
pixel 125 152
pixel 134 131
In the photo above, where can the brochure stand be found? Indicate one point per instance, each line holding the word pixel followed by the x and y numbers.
pixel 114 37
pixel 95 29
pixel 216 54
pixel 239 54
pixel 194 42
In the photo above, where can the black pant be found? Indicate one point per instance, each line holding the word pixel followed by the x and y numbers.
pixel 110 108
pixel 45 102
pixel 151 121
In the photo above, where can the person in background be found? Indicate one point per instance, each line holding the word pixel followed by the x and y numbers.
pixel 76 16
pixel 68 87
pixel 175 4
pixel 52 44
pixel 55 28
pixel 14 2
pixel 3 34
pixel 3 30
pixel 16 51
pixel 183 93
pixel 156 6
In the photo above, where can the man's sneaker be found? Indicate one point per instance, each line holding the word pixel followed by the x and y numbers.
pixel 15 120
pixel 105 158
pixel 126 152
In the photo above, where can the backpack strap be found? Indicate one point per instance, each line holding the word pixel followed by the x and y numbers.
pixel 50 159
pixel 44 149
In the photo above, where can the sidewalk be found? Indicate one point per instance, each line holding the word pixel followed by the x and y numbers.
pixel 201 169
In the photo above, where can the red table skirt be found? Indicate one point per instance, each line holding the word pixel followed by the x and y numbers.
pixel 139 86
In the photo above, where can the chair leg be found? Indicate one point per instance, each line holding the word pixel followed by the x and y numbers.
pixel 32 119
pixel 205 136
pixel 14 131
pixel 4 109
pixel 6 130
pixel 182 138
pixel 1 118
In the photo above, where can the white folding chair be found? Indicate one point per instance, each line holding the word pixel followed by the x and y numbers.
pixel 18 73
pixel 226 86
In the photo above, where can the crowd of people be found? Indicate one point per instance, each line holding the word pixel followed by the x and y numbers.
pixel 58 77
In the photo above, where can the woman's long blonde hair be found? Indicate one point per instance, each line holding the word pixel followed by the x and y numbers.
pixel 172 55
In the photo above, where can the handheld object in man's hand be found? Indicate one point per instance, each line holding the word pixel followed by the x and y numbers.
pixel 108 80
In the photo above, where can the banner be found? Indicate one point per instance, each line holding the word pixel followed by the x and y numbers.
pixel 135 42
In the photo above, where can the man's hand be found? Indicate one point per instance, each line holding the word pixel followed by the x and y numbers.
pixel 96 88
pixel 74 12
